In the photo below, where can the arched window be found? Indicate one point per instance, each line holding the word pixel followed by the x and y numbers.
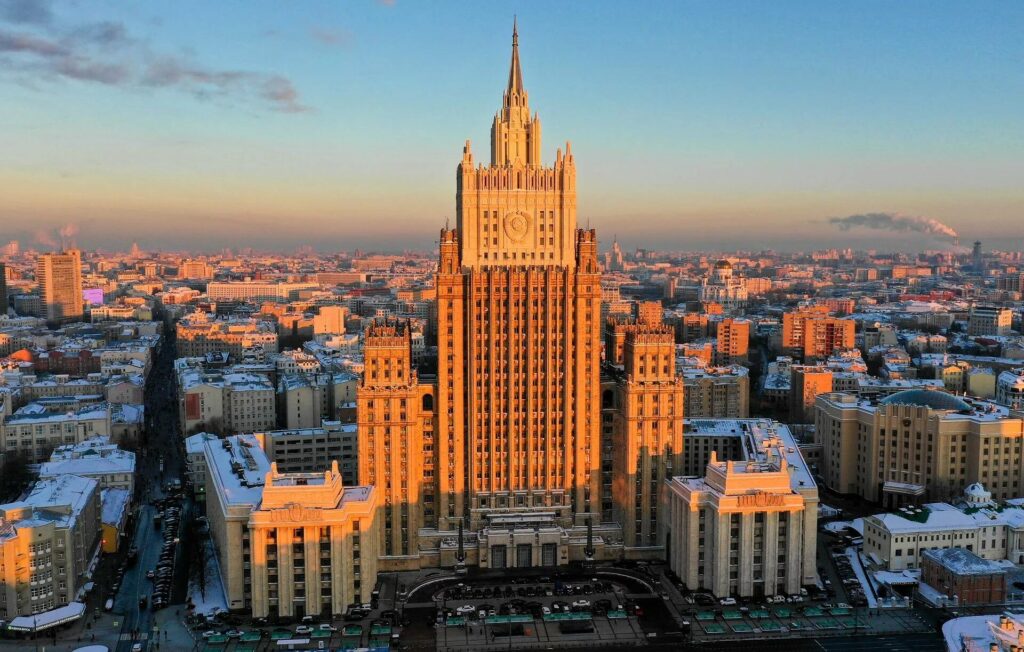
pixel 428 402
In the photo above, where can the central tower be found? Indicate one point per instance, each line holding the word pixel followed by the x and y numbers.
pixel 496 462
pixel 518 334
pixel 516 211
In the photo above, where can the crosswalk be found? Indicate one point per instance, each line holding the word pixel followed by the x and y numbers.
pixel 127 636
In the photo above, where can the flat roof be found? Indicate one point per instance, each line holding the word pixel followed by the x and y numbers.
pixel 757 437
pixel 240 466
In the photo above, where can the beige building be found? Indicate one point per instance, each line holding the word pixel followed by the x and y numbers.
pixel 310 450
pixel 330 320
pixel 1010 388
pixel 46 543
pixel 918 444
pixel 35 432
pixel 257 290
pixel 746 526
pixel 194 269
pixel 60 286
pixel 288 544
pixel 989 320
pixel 716 392
pixel 95 458
pixel 198 335
pixel 305 400
pixel 228 403
pixel 898 540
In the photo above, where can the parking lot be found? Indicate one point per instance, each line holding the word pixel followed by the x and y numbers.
pixel 780 619
pixel 542 611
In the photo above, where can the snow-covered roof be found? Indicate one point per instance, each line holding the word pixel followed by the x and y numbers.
pixel 240 467
pixel 963 562
pixel 90 465
pixel 114 505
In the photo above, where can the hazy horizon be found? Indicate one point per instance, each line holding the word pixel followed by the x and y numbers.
pixel 695 126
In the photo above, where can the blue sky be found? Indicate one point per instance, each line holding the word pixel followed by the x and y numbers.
pixel 340 123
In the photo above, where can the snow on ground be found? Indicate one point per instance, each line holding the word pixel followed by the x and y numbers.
pixel 838 526
pixel 898 578
pixel 979 632
pixel 213 600
pixel 858 569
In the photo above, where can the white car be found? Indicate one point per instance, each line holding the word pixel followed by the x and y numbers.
pixel 727 602
pixel 465 610
pixel 303 629
pixel 546 611
pixel 581 604
pixel 843 605
pixel 210 633
pixel 327 627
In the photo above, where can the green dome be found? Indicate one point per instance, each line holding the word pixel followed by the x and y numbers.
pixel 929 398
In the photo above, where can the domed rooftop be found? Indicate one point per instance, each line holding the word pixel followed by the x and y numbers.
pixel 929 398
pixel 975 489
pixel 723 264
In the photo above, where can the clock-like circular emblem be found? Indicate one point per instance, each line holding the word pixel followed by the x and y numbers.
pixel 517 225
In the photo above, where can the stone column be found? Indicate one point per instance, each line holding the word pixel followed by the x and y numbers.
pixel 794 551
pixel 746 554
pixel 720 578
pixel 770 552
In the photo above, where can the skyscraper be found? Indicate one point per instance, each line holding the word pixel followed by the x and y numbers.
pixel 3 289
pixel 60 286
pixel 505 448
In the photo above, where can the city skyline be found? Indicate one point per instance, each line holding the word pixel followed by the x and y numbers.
pixel 260 128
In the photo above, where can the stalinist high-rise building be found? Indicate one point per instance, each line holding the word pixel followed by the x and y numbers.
pixel 497 463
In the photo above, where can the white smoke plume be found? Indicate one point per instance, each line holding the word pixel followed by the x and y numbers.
pixel 45 238
pixel 62 237
pixel 895 222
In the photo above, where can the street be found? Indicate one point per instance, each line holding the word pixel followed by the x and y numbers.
pixel 161 442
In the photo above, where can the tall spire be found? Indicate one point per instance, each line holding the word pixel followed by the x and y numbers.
pixel 515 73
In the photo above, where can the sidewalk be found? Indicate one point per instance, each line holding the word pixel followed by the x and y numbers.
pixel 172 632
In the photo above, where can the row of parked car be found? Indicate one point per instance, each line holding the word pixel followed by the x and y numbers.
pixel 533 608
pixel 461 591
pixel 852 585
pixel 163 575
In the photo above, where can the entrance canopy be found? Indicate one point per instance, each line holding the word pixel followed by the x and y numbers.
pixel 59 616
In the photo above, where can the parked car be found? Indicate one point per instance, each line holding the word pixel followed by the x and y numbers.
pixel 728 602
pixel 303 629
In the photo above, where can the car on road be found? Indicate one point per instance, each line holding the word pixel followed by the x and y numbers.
pixel 326 627
pixel 210 634
pixel 233 633
pixel 581 604
pixel 137 647
pixel 150 574
pixel 303 629
pixel 728 602
pixel 465 610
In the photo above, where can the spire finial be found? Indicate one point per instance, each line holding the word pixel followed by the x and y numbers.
pixel 515 73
